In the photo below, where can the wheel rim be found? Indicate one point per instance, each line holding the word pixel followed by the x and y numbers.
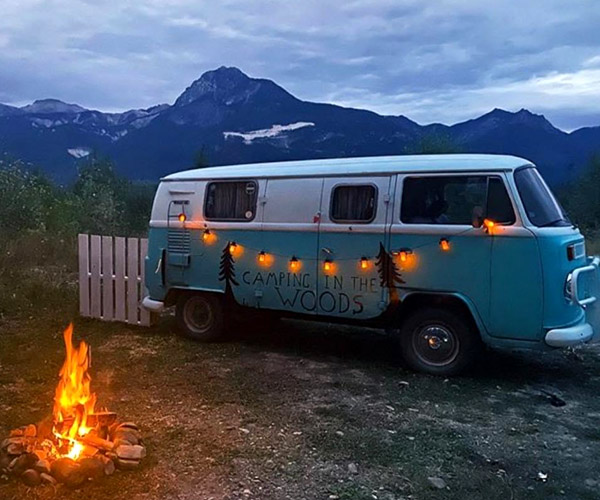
pixel 198 315
pixel 435 345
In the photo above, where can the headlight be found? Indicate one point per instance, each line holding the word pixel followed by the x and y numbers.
pixel 569 287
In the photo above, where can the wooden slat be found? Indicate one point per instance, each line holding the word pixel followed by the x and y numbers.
pixel 120 309
pixel 95 295
pixel 145 318
pixel 132 283
pixel 84 279
pixel 107 278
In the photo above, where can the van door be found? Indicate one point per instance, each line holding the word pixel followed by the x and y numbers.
pixel 354 218
pixel 433 244
pixel 286 276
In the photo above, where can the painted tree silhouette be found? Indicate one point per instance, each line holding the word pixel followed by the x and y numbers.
pixel 227 271
pixel 389 275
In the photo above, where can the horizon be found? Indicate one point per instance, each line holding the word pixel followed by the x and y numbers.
pixel 379 56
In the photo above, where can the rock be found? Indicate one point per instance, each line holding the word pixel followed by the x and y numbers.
pixel 125 464
pixel 17 432
pixel 339 433
pixel 591 483
pixel 15 448
pixel 75 479
pixel 135 452
pixel 109 465
pixel 128 425
pixel 352 468
pixel 22 463
pixel 62 468
pixel 47 478
pixel 131 436
pixel 5 461
pixel 437 482
pixel 31 478
pixel 92 467
pixel 42 466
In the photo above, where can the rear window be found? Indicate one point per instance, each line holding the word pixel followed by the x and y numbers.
pixel 353 204
pixel 231 201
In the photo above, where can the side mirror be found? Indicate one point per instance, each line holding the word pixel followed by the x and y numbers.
pixel 477 217
pixel 477 222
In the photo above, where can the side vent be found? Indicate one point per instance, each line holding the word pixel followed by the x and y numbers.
pixel 178 241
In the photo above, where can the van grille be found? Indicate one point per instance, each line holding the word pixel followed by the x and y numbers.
pixel 178 241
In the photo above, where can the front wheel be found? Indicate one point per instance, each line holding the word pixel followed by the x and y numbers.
pixel 439 342
pixel 200 317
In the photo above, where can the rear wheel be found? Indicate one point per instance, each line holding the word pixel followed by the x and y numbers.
pixel 439 341
pixel 200 317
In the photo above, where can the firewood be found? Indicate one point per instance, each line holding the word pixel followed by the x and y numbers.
pixel 44 428
pixel 128 425
pixel 102 419
pixel 5 461
pixel 30 431
pixel 31 478
pixel 97 442
pixel 15 449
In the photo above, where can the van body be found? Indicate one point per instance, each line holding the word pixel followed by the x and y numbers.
pixel 449 251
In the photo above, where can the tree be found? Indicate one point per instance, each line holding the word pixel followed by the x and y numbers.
pixel 389 275
pixel 227 272
pixel 581 198
pixel 434 143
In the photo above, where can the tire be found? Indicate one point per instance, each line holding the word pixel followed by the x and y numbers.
pixel 200 317
pixel 439 341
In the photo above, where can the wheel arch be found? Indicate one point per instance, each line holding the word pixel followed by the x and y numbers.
pixel 452 301
pixel 173 294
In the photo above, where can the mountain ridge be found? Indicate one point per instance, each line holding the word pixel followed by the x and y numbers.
pixel 232 118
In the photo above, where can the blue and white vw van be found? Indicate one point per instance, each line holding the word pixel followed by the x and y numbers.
pixel 450 252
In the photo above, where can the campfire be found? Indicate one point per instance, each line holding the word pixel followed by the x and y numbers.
pixel 77 443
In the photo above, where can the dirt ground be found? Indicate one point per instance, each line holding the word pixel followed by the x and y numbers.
pixel 313 411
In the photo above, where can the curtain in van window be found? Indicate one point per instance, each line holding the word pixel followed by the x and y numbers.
pixel 353 204
pixel 230 201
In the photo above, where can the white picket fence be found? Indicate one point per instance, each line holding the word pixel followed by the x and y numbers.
pixel 111 278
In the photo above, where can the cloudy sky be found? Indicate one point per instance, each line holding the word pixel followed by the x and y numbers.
pixel 434 61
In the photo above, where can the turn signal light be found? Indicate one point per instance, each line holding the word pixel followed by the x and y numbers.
pixel 182 217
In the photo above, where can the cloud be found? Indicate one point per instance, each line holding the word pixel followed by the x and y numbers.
pixel 433 61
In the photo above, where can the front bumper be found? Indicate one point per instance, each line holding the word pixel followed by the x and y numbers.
pixel 151 305
pixel 573 335
pixel 587 297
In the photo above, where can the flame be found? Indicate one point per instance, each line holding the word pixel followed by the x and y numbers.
pixel 74 401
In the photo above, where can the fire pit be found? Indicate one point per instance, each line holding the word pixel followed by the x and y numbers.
pixel 77 443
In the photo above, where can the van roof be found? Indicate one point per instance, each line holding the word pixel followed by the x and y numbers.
pixel 357 166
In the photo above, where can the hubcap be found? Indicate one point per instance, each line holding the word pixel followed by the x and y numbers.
pixel 435 345
pixel 198 314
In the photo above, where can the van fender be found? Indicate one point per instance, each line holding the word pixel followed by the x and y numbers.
pixel 175 292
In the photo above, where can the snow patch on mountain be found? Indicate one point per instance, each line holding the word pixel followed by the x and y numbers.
pixel 78 152
pixel 264 133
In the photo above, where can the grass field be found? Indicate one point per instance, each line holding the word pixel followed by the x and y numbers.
pixel 300 411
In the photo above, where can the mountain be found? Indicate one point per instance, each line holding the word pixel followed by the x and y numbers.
pixel 227 118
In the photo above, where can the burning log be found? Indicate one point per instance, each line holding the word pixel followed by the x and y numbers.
pixel 76 444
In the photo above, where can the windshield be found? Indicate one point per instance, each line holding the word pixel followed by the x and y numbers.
pixel 542 208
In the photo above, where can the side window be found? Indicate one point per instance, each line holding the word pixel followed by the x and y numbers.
pixel 443 199
pixel 353 204
pixel 231 201
pixel 499 207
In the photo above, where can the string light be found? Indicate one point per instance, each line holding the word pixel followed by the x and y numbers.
pixel 294 264
pixel 364 263
pixel 182 217
pixel 328 265
pixel 232 247
pixel 262 257
pixel 444 244
pixel 489 224
pixel 403 255
pixel 206 235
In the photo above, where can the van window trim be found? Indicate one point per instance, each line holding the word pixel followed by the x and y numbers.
pixel 352 184
pixel 488 175
pixel 230 181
